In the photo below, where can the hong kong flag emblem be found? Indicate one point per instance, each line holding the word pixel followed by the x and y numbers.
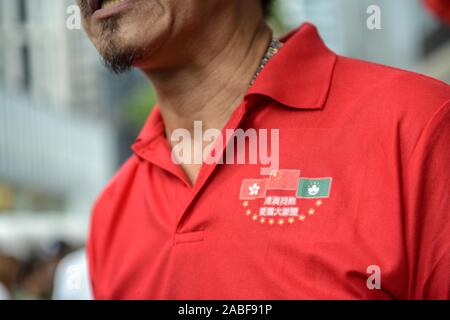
pixel 253 189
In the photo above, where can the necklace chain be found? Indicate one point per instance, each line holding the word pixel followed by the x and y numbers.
pixel 273 48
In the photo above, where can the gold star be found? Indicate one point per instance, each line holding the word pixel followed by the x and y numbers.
pixel 319 203
pixel 311 211
pixel 280 222
pixel 271 221
pixel 255 217
pixel 248 212
pixel 262 220
pixel 302 217
pixel 245 203
pixel 291 220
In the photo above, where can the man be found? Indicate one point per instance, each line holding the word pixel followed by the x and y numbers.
pixel 353 204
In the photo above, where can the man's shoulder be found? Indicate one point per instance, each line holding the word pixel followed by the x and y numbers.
pixel 393 83
pixel 397 105
pixel 404 95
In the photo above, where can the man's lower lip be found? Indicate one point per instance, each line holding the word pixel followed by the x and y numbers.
pixel 112 10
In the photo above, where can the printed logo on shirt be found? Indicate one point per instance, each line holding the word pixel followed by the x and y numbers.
pixel 284 197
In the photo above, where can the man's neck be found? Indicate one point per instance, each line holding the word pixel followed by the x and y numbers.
pixel 209 87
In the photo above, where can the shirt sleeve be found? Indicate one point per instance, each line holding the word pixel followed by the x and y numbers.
pixel 427 209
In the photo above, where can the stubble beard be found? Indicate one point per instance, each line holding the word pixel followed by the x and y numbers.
pixel 115 57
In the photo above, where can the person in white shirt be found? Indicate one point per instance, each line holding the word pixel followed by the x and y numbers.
pixel 71 280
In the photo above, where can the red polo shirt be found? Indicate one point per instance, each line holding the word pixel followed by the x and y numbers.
pixel 362 191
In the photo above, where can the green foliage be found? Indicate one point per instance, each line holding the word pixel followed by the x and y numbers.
pixel 138 106
pixel 275 20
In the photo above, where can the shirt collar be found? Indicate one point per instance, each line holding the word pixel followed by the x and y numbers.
pixel 153 128
pixel 299 75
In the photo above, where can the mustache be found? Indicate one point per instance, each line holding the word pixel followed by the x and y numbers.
pixel 88 7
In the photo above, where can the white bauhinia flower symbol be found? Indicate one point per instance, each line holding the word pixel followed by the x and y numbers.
pixel 254 189
pixel 313 190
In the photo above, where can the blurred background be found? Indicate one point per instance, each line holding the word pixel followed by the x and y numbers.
pixel 66 123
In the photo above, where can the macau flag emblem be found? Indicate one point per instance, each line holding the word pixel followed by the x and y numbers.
pixel 314 188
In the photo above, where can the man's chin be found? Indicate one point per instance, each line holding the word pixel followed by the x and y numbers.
pixel 118 60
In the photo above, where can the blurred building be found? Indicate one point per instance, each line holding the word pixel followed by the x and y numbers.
pixel 58 130
pixel 42 58
pixel 409 37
